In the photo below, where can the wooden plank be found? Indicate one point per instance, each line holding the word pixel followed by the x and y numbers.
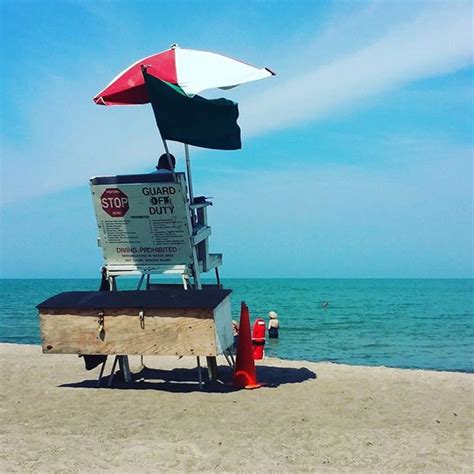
pixel 203 247
pixel 170 298
pixel 123 334
pixel 197 313
pixel 202 234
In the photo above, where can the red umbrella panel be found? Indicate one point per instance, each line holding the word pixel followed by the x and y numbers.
pixel 192 70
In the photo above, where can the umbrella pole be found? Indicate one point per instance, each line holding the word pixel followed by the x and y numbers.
pixel 188 171
pixel 167 151
pixel 196 277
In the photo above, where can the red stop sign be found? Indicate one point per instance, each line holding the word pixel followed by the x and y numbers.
pixel 114 202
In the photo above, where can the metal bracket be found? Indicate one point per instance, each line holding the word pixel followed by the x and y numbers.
pixel 101 322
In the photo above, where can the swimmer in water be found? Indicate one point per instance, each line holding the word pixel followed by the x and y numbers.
pixel 273 325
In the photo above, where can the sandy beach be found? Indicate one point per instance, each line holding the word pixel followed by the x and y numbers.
pixel 311 417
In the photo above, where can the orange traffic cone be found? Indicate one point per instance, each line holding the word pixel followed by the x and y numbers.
pixel 245 374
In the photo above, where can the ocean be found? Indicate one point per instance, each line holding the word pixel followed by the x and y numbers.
pixel 407 323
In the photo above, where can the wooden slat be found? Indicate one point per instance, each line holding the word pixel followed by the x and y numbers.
pixel 202 234
pixel 171 298
pixel 178 335
pixel 198 313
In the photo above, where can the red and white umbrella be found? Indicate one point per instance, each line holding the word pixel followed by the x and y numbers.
pixel 190 69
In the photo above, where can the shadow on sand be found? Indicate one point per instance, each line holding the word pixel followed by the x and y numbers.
pixel 186 380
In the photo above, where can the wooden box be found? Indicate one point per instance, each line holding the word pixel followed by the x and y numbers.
pixel 159 322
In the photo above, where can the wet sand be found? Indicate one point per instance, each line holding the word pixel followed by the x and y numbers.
pixel 310 417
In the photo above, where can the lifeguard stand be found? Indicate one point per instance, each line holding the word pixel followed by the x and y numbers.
pixel 147 226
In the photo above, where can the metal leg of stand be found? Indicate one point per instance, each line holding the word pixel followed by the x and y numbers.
pixel 212 367
pixel 112 372
pixel 232 358
pixel 101 373
pixel 125 368
pixel 140 281
pixel 229 360
pixel 199 372
pixel 112 283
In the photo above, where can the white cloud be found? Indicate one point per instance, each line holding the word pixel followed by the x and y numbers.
pixel 438 41
pixel 74 139
pixel 71 139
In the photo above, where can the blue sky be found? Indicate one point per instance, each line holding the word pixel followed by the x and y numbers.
pixel 356 159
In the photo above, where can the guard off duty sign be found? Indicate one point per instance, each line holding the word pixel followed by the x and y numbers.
pixel 142 225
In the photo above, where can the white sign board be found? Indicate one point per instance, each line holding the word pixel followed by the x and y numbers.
pixel 143 226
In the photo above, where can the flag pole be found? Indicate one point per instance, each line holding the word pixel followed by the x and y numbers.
pixel 167 151
pixel 144 68
pixel 188 170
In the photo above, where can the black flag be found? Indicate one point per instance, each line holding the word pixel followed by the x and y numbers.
pixel 193 120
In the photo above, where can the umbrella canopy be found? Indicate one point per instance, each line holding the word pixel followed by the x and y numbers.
pixel 190 69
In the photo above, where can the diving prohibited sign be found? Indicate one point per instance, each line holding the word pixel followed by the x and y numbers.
pixel 114 202
pixel 143 226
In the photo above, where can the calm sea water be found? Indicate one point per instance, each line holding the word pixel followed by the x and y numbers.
pixel 425 324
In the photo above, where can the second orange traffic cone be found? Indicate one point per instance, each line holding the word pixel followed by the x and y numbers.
pixel 245 374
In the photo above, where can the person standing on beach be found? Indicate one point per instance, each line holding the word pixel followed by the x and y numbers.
pixel 273 325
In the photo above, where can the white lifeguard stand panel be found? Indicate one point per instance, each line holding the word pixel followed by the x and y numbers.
pixel 146 225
